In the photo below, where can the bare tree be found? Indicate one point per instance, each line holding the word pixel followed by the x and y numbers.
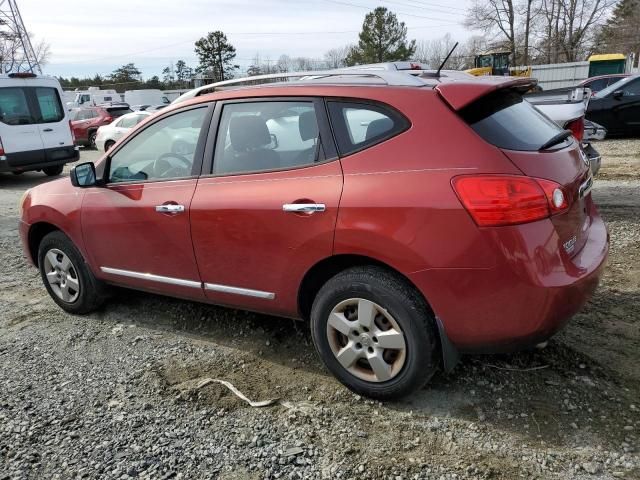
pixel 496 19
pixel 11 57
pixel 336 57
pixel 433 52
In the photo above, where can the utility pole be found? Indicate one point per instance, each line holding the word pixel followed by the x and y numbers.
pixel 16 52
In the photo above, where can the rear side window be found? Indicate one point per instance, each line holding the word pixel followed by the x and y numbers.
pixel 14 107
pixel 598 85
pixel 50 105
pixel 357 126
pixel 506 120
pixel 118 112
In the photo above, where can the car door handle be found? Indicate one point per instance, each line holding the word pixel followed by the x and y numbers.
pixel 47 129
pixel 170 208
pixel 303 207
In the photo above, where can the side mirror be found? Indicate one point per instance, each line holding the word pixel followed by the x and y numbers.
pixel 618 94
pixel 83 175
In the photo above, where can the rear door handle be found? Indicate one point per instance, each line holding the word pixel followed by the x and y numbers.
pixel 303 207
pixel 47 129
pixel 170 208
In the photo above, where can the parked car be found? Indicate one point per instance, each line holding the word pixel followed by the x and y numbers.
pixel 407 219
pixel 617 107
pixel 155 108
pixel 86 121
pixel 567 107
pixel 35 132
pixel 601 82
pixel 108 135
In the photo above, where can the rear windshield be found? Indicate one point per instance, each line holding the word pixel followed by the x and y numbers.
pixel 29 105
pixel 118 112
pixel 507 121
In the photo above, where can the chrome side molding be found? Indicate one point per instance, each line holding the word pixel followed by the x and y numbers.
pixel 214 287
pixel 151 277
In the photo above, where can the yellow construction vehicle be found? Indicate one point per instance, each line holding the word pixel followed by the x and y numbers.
pixel 497 62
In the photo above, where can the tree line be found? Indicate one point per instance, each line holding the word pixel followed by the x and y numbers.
pixel 533 31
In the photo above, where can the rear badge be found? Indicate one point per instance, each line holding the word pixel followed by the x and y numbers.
pixel 570 244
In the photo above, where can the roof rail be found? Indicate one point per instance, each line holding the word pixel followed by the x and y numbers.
pixel 393 78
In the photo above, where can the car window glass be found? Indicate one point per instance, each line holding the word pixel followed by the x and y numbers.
pixel 14 108
pixel 164 150
pixel 598 85
pixel 260 136
pixel 357 126
pixel 632 89
pixel 50 105
pixel 128 121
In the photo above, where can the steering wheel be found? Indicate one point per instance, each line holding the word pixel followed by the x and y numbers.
pixel 162 167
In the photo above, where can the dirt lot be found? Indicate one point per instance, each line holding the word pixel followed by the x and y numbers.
pixel 115 394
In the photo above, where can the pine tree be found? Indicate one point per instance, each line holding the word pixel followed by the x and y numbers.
pixel 382 39
pixel 216 56
pixel 620 33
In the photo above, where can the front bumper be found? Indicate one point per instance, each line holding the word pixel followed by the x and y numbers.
pixel 530 294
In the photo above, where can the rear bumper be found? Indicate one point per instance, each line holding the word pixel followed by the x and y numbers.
pixel 530 294
pixel 38 159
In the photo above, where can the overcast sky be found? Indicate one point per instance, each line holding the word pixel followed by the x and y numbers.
pixel 97 37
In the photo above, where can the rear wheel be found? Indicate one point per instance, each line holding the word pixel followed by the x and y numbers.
pixel 108 144
pixel 92 139
pixel 374 332
pixel 66 276
pixel 53 171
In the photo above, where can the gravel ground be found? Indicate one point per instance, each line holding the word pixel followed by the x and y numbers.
pixel 119 394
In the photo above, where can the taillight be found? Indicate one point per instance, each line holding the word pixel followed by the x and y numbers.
pixel 108 119
pixel 577 128
pixel 495 200
pixel 73 135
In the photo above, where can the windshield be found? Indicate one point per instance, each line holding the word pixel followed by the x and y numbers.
pixel 613 87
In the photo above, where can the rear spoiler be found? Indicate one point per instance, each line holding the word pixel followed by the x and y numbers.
pixel 460 94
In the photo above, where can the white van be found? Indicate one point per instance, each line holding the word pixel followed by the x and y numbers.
pixel 93 97
pixel 35 132
pixel 147 96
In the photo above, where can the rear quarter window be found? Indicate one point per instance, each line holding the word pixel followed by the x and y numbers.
pixel 357 126
pixel 505 119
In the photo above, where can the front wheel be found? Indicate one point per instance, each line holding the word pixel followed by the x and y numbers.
pixel 374 332
pixel 92 140
pixel 66 276
pixel 53 171
pixel 108 144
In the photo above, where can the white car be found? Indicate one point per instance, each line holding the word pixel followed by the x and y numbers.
pixel 35 129
pixel 107 135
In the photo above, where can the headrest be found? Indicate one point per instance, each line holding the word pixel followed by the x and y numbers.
pixel 378 127
pixel 308 125
pixel 248 132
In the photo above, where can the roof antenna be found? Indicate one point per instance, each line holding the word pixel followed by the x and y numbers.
pixel 445 60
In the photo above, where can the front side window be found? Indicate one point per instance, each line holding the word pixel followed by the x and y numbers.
pixel 261 136
pixel 163 150
pixel 50 105
pixel 357 126
pixel 631 89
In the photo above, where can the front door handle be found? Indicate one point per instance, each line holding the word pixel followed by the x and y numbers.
pixel 170 208
pixel 47 129
pixel 303 207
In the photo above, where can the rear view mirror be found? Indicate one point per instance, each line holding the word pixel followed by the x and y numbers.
pixel 83 175
pixel 618 94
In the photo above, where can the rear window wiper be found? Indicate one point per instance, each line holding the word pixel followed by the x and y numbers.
pixel 557 138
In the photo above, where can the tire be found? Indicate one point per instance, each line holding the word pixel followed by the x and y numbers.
pixel 399 312
pixel 92 139
pixel 53 171
pixel 84 293
pixel 108 144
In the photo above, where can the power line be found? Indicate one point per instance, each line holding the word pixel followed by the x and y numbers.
pixel 401 13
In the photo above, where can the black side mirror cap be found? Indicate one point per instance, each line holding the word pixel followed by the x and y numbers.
pixel 83 175
pixel 618 94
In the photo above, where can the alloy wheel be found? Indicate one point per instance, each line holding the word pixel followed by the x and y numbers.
pixel 366 340
pixel 61 275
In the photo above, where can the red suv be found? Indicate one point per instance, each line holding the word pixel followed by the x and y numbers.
pixel 86 121
pixel 407 220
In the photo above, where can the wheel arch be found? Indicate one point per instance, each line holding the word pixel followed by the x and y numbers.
pixel 37 232
pixel 322 271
